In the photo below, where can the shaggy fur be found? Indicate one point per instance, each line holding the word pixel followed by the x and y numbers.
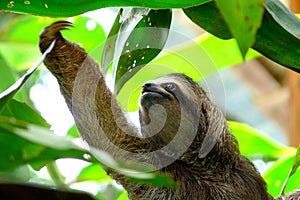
pixel 202 156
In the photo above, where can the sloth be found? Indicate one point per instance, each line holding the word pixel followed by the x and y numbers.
pixel 182 134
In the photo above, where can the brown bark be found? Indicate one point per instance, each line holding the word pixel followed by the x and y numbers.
pixel 294 86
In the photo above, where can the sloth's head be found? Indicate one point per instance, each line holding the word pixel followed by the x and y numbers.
pixel 168 90
pixel 175 108
pixel 173 92
pixel 170 104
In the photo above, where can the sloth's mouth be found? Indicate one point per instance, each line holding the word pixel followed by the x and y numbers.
pixel 153 89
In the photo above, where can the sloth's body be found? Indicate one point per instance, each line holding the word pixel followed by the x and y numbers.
pixel 193 144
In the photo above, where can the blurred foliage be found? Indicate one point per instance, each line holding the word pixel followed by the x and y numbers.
pixel 28 144
pixel 277 38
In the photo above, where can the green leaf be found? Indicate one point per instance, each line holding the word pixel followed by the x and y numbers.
pixel 277 38
pixel 123 196
pixel 73 132
pixel 296 164
pixel 276 175
pixel 37 146
pixel 296 161
pixel 141 38
pixel 25 143
pixel 137 173
pixel 255 143
pixel 93 172
pixel 20 111
pixel 293 182
pixel 7 75
pixel 209 17
pixel 110 43
pixel 215 54
pixel 57 8
pixel 21 174
pixel 243 19
pixel 8 94
pixel 224 53
pixel 111 192
pixel 6 18
pixel 33 145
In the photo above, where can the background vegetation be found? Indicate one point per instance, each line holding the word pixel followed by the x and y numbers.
pixel 26 141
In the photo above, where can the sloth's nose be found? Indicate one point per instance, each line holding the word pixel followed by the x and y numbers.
pixel 148 85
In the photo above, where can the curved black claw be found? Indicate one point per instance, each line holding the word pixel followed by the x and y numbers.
pixel 52 32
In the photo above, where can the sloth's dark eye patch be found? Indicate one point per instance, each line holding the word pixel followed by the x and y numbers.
pixel 170 87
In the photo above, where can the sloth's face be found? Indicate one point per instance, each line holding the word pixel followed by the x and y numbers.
pixel 168 102
pixel 171 89
pixel 156 92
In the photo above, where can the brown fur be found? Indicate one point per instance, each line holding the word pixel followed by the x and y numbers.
pixel 221 173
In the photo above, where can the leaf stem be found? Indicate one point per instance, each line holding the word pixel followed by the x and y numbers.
pixel 285 183
pixel 56 176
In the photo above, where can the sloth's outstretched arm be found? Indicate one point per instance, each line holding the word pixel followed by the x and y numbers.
pixel 98 117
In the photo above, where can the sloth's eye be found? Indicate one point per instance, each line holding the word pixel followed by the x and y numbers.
pixel 171 87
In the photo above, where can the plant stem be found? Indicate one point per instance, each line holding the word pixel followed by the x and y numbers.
pixel 285 183
pixel 55 175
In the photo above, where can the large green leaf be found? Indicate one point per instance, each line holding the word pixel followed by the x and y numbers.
pixel 23 143
pixel 14 60
pixel 255 143
pixel 25 138
pixel 7 75
pixel 137 173
pixel 209 17
pixel 277 38
pixel 56 8
pixel 8 94
pixel 29 144
pixel 110 43
pixel 199 59
pixel 20 111
pixel 296 161
pixel 292 172
pixel 34 145
pixel 6 18
pixel 141 38
pixel 276 176
pixel 243 19
pixel 93 172
pixel 21 174
pixel 224 53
